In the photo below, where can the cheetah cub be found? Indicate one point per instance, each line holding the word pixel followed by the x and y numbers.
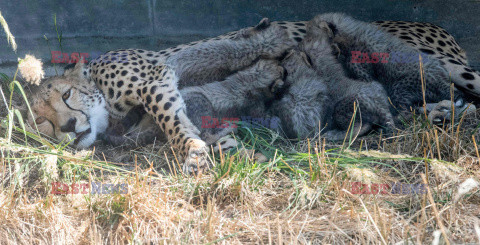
pixel 306 102
pixel 241 94
pixel 215 60
pixel 368 101
pixel 321 96
pixel 402 81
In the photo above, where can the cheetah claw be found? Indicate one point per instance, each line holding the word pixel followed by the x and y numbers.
pixel 196 161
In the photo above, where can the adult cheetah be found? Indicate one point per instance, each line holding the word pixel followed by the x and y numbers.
pixel 133 77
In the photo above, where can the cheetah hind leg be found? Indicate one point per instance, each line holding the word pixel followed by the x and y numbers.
pixel 441 113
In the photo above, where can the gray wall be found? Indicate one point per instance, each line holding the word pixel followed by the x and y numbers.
pixel 95 26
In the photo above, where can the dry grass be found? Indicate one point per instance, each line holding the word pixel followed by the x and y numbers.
pixel 6 29
pixel 302 196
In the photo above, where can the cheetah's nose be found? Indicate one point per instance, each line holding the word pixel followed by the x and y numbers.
pixel 69 126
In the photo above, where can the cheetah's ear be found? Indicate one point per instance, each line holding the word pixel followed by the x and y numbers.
pixel 263 24
pixel 333 28
pixel 76 71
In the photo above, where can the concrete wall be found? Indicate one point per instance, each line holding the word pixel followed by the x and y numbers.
pixel 95 26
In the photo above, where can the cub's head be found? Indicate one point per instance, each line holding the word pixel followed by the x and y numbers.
pixel 69 107
pixel 305 104
pixel 296 64
pixel 271 39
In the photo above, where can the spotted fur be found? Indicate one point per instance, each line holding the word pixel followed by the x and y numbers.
pixel 147 79
pixel 134 77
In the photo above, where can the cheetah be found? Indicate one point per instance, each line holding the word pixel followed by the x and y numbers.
pixel 130 78
pixel 68 107
pixel 124 78
pixel 306 102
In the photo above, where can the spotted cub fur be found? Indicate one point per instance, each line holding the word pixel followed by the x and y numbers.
pixel 401 80
pixel 314 102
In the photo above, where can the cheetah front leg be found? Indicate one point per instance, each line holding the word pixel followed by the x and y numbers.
pixel 163 102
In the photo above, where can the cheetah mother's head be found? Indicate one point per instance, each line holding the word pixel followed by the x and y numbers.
pixel 69 107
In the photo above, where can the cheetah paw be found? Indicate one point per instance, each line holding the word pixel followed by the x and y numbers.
pixel 276 86
pixel 251 154
pixel 269 75
pixel 334 135
pixel 196 161
pixel 442 111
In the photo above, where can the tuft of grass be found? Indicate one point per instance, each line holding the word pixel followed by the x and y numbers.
pixel 6 29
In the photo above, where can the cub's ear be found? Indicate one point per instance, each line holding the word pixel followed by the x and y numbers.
pixel 335 50
pixel 333 28
pixel 328 28
pixel 76 71
pixel 248 32
pixel 263 24
pixel 307 59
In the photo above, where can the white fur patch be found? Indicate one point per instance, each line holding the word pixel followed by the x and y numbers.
pixel 98 124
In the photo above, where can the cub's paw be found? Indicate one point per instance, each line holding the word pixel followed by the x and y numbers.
pixel 259 157
pixel 276 86
pixel 269 75
pixel 196 161
pixel 441 112
pixel 334 135
pixel 251 154
pixel 112 139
